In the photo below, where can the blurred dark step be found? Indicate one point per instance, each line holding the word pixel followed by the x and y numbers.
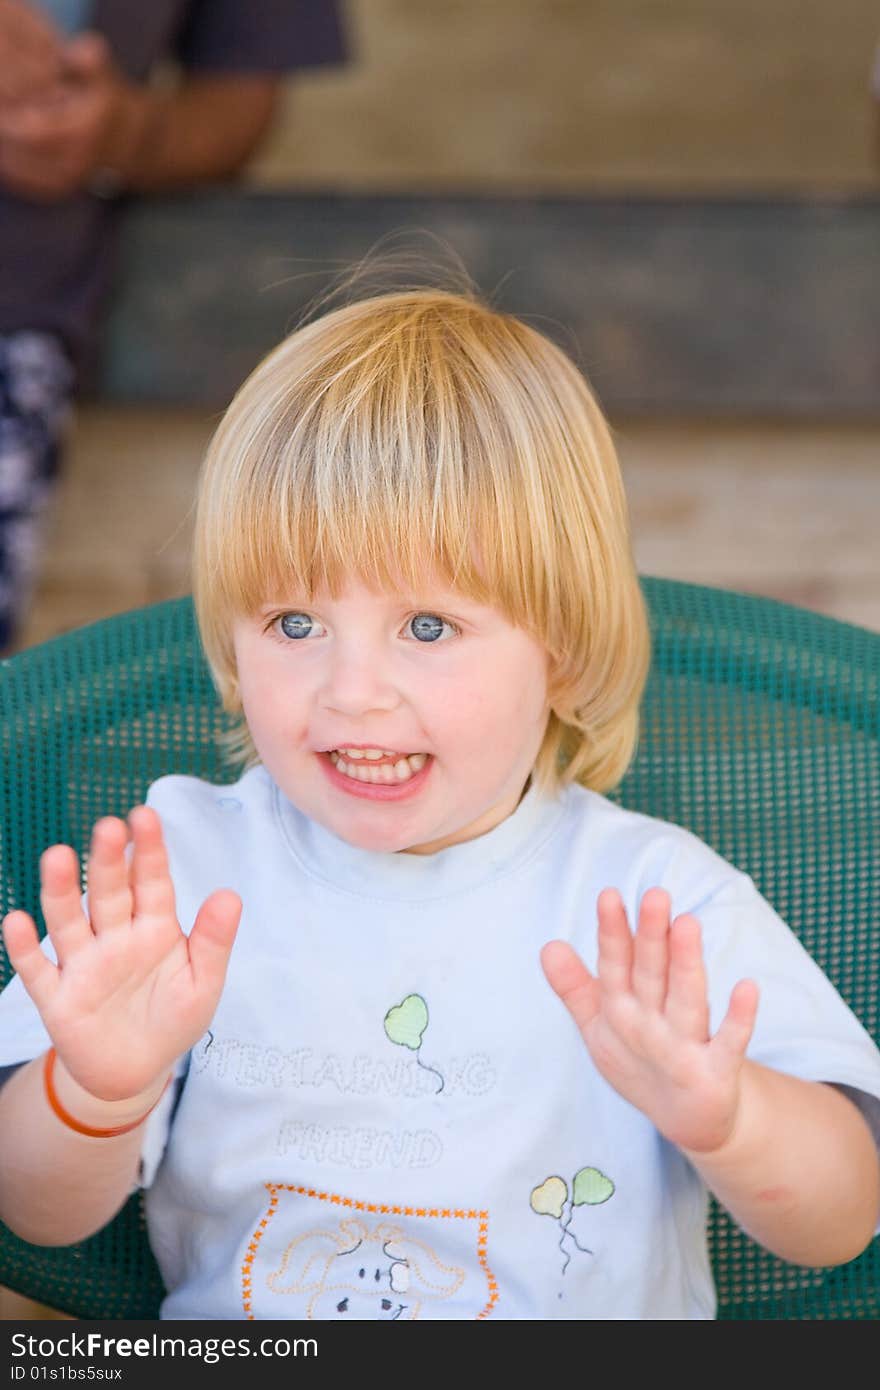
pixel 723 306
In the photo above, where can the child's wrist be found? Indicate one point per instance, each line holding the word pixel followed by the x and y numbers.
pixel 747 1134
pixel 83 1111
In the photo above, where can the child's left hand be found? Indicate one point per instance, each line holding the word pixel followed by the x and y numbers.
pixel 645 1020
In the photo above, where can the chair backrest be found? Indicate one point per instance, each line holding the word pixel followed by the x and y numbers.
pixel 760 732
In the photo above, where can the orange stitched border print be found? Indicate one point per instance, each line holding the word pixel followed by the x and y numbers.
pixel 365 1260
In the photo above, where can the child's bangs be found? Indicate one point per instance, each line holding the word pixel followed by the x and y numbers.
pixel 400 479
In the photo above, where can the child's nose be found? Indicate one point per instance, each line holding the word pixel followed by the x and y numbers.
pixel 360 679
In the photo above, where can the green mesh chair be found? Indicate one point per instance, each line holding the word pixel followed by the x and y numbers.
pixel 760 733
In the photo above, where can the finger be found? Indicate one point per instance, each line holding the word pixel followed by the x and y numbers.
pixel 152 889
pixel 30 48
pixel 107 876
pixel 55 161
pixel 23 82
pixel 45 169
pixel 687 1005
pixel 211 939
pixel 572 981
pixel 38 975
pixel 614 966
pixel 37 130
pixel 61 900
pixel 738 1024
pixel 651 949
pixel 51 146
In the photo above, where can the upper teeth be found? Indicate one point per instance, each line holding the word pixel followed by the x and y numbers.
pixel 399 770
pixel 372 753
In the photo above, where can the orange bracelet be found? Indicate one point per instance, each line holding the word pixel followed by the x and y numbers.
pixel 87 1130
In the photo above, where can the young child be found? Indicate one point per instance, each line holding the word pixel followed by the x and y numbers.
pixel 485 1040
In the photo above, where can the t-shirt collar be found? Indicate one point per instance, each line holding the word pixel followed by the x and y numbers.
pixel 416 877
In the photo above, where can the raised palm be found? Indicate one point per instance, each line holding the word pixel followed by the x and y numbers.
pixel 644 1017
pixel 130 992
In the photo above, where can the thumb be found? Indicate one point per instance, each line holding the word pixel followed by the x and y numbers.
pixel 737 1026
pixel 212 937
pixel 87 55
pixel 572 981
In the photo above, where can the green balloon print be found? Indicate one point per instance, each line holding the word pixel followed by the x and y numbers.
pixel 590 1188
pixel 407 1021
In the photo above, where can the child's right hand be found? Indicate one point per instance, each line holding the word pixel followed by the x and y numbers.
pixel 130 993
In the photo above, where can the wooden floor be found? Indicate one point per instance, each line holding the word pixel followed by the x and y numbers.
pixel 792 512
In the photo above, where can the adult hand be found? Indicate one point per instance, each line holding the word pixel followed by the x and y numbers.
pixel 51 147
pixel 31 52
pixel 645 1020
pixel 130 993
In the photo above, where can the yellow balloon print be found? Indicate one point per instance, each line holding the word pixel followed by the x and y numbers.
pixel 549 1199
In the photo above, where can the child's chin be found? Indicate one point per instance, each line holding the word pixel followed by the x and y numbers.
pixel 379 844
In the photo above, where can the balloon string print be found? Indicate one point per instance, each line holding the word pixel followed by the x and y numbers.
pixel 589 1188
pixel 405 1025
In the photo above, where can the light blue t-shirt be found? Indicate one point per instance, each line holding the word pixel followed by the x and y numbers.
pixel 393 1116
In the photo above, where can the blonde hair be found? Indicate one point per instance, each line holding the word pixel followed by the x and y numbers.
pixel 422 428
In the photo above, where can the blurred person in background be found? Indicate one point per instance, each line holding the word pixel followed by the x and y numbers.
pixel 83 124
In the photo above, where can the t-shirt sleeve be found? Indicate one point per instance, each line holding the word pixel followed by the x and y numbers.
pixel 260 35
pixel 804 1027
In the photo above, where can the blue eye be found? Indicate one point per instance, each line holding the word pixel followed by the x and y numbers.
pixel 428 626
pixel 295 624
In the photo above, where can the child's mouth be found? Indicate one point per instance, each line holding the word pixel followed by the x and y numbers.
pixel 382 782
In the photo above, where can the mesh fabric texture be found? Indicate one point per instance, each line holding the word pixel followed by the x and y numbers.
pixel 760 733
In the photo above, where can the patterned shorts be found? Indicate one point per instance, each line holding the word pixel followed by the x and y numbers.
pixel 36 382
